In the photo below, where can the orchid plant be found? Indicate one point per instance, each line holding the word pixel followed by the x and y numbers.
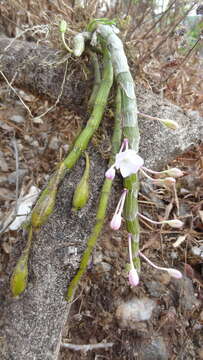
pixel 101 35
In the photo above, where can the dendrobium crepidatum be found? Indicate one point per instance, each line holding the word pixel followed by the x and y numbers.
pixel 129 163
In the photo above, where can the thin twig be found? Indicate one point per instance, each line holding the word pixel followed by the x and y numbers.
pixel 87 347
pixel 59 95
pixel 14 143
pixel 14 90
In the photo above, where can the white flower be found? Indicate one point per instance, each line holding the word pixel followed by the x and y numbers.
pixel 128 162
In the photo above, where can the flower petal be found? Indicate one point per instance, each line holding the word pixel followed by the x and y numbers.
pixel 128 162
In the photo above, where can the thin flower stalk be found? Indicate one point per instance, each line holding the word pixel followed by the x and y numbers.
pixel 117 217
pixel 133 274
pixel 172 272
pixel 173 172
pixel 175 223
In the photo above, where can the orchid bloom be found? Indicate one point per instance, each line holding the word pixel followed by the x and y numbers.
pixel 127 161
pixel 133 277
pixel 172 272
pixel 117 218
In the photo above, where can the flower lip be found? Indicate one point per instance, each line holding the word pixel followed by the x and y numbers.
pixel 128 162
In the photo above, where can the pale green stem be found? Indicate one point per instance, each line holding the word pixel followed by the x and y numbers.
pixel 130 129
pixel 46 202
pixel 97 78
pixel 103 203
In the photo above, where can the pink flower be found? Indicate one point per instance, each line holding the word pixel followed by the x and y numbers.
pixel 133 277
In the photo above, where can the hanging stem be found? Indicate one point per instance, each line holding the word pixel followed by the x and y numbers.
pixel 103 203
pixel 46 202
pixel 97 78
pixel 130 130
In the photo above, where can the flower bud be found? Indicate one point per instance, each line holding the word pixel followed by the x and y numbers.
pixel 175 273
pixel 63 26
pixel 110 173
pixel 133 277
pixel 115 223
pixel 174 223
pixel 168 181
pixel 81 194
pixel 174 172
pixel 170 124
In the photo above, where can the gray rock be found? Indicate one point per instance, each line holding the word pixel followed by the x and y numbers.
pixel 17 119
pixel 154 350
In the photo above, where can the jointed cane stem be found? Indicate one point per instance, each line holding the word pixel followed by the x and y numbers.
pixel 46 202
pixel 103 202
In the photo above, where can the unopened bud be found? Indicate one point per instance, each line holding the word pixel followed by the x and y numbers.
pixel 170 124
pixel 133 277
pixel 174 172
pixel 63 26
pixel 175 273
pixel 110 173
pixel 166 181
pixel 174 223
pixel 115 223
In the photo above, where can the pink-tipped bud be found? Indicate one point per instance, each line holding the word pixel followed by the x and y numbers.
pixel 174 223
pixel 166 182
pixel 133 277
pixel 110 173
pixel 115 223
pixel 175 273
pixel 174 172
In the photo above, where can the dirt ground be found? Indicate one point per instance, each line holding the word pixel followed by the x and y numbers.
pixel 108 310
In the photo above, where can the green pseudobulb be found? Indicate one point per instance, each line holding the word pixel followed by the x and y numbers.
pixel 43 208
pixel 81 194
pixel 20 275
